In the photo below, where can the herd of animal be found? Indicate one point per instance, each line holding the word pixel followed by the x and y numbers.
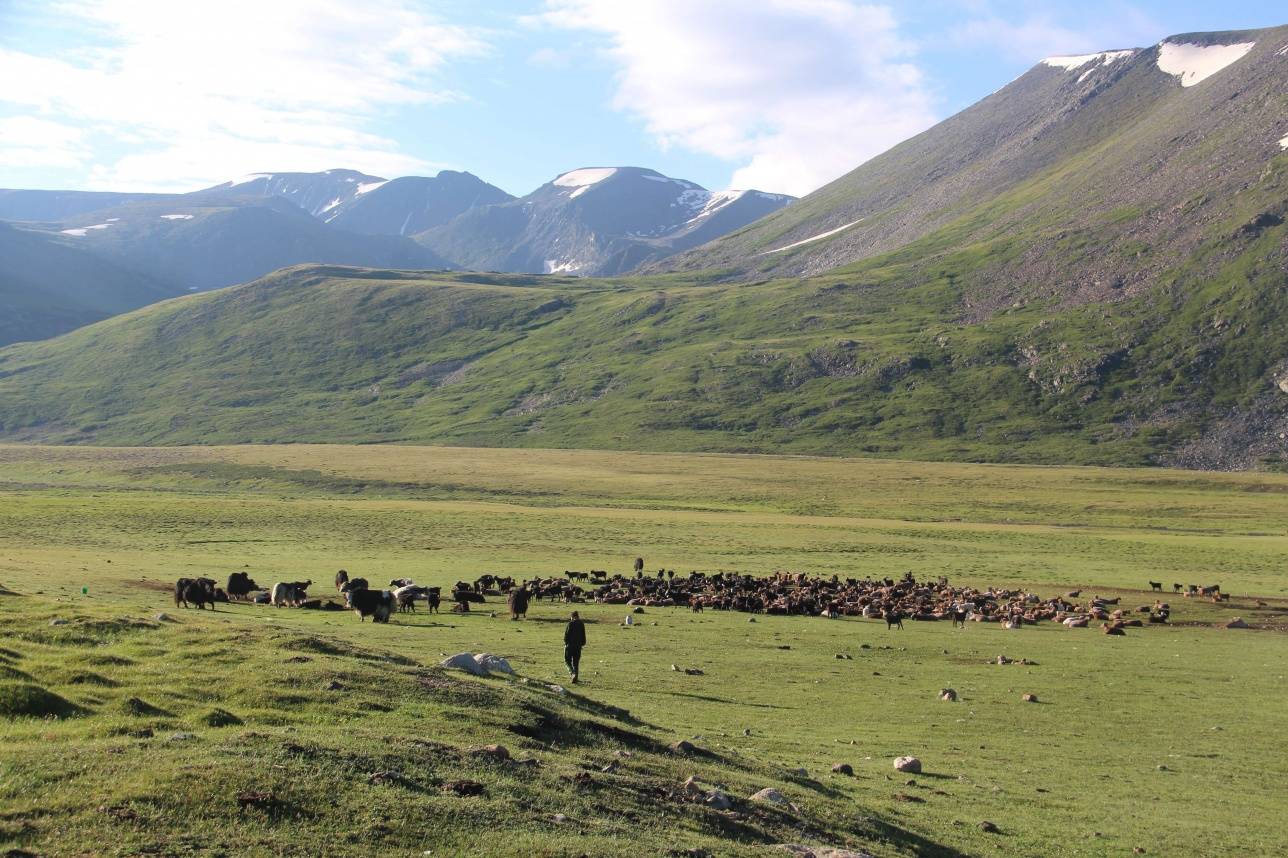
pixel 402 595
pixel 784 593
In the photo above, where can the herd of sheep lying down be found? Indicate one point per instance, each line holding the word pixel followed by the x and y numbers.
pixel 782 593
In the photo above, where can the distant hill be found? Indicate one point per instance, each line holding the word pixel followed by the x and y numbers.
pixel 49 286
pixel 196 243
pixel 595 221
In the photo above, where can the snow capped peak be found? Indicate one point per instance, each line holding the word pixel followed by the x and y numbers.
pixel 582 179
pixel 1103 58
pixel 1196 63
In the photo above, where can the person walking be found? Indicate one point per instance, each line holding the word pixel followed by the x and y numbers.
pixel 574 640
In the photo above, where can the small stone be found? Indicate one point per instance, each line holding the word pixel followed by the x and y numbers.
pixel 58 621
pixel 684 747
pixel 746 732
pixel 333 685
pixel 770 795
pixel 675 667
pixel 1237 623
pixel 988 827
pixel 912 765
pixel 910 782
pixel 843 769
pixel 947 694
pixel 610 768
pixel 798 773
pixel 559 819
pixel 182 737
pixel 163 618
pixel 1163 768
pixel 1030 698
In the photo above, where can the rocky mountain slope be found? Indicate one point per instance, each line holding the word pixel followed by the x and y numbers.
pixel 414 204
pixel 596 221
pixel 1108 166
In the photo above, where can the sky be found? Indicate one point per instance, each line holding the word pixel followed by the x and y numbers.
pixel 779 95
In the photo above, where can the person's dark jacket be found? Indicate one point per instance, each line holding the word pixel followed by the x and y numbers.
pixel 575 634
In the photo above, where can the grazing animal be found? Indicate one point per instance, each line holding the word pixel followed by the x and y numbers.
pixel 1156 585
pixel 377 604
pixel 341 578
pixel 434 599
pixel 1176 588
pixel 639 564
pixel 262 598
pixel 959 617
pixel 401 582
pixel 407 595
pixel 892 619
pixel 240 585
pixel 290 593
pixel 199 591
pixel 519 602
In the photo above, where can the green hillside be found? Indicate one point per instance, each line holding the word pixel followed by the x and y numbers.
pixel 1089 266
pixel 878 358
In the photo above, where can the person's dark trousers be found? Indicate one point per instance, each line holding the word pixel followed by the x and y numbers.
pixel 572 658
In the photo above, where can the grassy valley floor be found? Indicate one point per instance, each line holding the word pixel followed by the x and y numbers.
pixel 253 730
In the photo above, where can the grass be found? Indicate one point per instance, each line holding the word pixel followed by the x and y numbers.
pixel 252 730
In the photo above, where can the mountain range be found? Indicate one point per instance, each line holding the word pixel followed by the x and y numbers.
pixel 1089 265
pixel 245 228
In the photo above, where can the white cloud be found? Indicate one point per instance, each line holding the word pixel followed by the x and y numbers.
pixel 202 90
pixel 29 142
pixel 797 92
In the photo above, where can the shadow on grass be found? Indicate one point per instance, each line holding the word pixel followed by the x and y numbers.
pixel 711 699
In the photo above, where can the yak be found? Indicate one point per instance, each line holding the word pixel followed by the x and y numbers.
pixel 198 591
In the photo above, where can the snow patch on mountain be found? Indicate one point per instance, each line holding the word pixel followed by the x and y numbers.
pixel 84 229
pixel 1194 64
pixel 554 266
pixel 176 217
pixel 717 201
pixel 366 187
pixel 1103 58
pixel 248 178
pixel 812 238
pixel 583 179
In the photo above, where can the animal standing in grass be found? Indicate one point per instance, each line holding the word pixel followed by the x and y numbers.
pixel 377 604
pixel 197 591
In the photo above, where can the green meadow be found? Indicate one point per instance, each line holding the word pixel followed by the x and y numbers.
pixel 263 731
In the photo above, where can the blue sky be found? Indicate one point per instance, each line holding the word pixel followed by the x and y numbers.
pixel 782 95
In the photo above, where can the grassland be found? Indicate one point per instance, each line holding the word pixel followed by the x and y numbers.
pixel 1166 740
